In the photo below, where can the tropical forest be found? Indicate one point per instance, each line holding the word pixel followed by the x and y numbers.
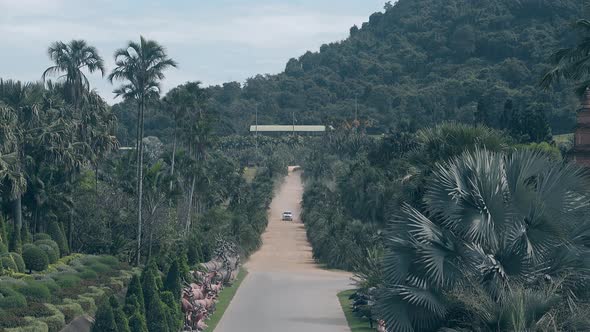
pixel 428 172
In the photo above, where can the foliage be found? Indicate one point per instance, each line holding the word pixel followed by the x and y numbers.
pixel 18 260
pixel 137 322
pixel 104 320
pixel 120 318
pixel 35 292
pixel 134 299
pixel 57 235
pixel 52 255
pixel 35 258
pixel 11 298
pixel 156 314
pixel 507 226
pixel 172 282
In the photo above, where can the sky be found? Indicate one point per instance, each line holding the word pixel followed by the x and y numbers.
pixel 213 41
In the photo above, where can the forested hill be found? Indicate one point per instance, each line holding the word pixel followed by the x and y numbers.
pixel 417 63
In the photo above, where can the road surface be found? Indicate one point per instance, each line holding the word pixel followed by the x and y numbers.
pixel 284 289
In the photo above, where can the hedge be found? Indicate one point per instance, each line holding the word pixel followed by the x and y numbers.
pixel 70 311
pixel 67 280
pixel 56 321
pixel 11 298
pixel 35 291
pixel 35 258
pixel 32 325
pixel 18 260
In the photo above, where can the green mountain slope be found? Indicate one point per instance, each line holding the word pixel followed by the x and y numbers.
pixel 418 63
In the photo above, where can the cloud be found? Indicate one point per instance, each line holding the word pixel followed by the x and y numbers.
pixel 214 41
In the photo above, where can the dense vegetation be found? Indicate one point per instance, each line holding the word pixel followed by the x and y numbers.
pixel 415 65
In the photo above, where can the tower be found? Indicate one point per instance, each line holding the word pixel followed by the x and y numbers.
pixel 582 135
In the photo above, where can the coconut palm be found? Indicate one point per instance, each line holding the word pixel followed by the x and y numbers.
pixel 572 64
pixel 70 60
pixel 141 66
pixel 493 221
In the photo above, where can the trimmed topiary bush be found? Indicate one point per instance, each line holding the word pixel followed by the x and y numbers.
pixel 156 314
pixel 18 260
pixel 134 291
pixel 67 280
pixel 88 274
pixel 105 320
pixel 42 236
pixel 175 316
pixel 50 284
pixel 50 243
pixel 120 317
pixel 35 258
pixel 70 311
pixel 8 263
pixel 137 322
pixel 35 292
pixel 99 267
pixel 30 324
pixel 172 282
pixel 109 260
pixel 52 255
pixel 9 298
pixel 56 321
pixel 57 235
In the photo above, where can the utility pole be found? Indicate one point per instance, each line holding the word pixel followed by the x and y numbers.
pixel 256 132
pixel 293 123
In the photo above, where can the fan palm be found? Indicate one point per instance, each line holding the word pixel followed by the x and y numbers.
pixel 70 60
pixel 502 221
pixel 572 64
pixel 141 66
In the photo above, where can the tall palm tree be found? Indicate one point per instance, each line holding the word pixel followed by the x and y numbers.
pixel 141 66
pixel 494 225
pixel 70 61
pixel 572 64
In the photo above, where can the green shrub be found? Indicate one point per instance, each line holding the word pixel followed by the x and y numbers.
pixel 134 293
pixel 35 258
pixel 120 317
pixel 105 320
pixel 3 248
pixel 67 280
pixel 30 325
pixel 87 303
pixel 88 274
pixel 33 310
pixel 70 311
pixel 99 267
pixel 8 263
pixel 35 291
pixel 109 260
pixel 56 321
pixel 57 235
pixel 50 243
pixel 175 316
pixel 9 298
pixel 137 322
pixel 50 284
pixel 8 320
pixel 18 260
pixel 156 314
pixel 172 282
pixel 42 236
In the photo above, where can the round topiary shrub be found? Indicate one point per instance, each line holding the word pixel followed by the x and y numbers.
pixel 42 236
pixel 67 280
pixel 88 274
pixel 70 311
pixel 35 292
pixel 50 243
pixel 109 260
pixel 18 260
pixel 35 258
pixel 9 298
pixel 52 255
pixel 99 267
pixel 8 263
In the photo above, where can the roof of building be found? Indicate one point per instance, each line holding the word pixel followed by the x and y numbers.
pixel 286 128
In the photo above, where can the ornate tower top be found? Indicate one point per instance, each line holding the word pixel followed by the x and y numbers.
pixel 586 100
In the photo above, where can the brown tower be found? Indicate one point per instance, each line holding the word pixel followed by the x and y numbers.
pixel 582 135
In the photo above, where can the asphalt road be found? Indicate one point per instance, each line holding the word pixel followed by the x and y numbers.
pixel 285 290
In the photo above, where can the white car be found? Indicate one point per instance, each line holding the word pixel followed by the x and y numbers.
pixel 287 216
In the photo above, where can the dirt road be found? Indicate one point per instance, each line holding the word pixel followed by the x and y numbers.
pixel 285 290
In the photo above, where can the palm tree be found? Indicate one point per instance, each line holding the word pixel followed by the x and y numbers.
pixel 141 65
pixel 70 60
pixel 494 224
pixel 572 64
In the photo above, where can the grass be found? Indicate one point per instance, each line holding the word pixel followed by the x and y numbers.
pixel 355 323
pixel 225 297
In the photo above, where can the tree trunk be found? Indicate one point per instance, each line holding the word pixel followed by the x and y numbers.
pixel 190 205
pixel 173 157
pixel 17 212
pixel 140 178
